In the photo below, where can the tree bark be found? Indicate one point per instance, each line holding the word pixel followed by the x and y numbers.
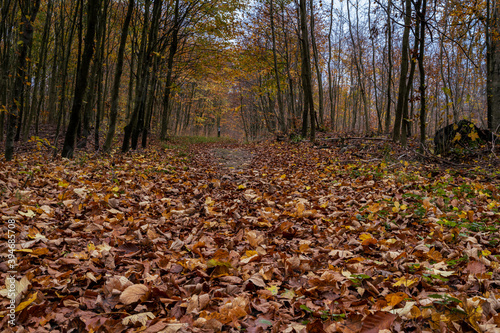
pixel 29 10
pixel 493 79
pixel 330 88
pixel 281 112
pixel 170 64
pixel 423 105
pixel 306 74
pixel 81 79
pixel 113 112
pixel 389 69
pixel 403 75
pixel 317 66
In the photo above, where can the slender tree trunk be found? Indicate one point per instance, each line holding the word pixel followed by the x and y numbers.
pixel 317 66
pixel 423 105
pixel 281 112
pixel 113 112
pixel 330 88
pixel 389 70
pixel 141 77
pixel 170 64
pixel 405 121
pixel 152 44
pixel 306 74
pixel 29 10
pixel 63 71
pixel 493 74
pixel 375 90
pixel 291 113
pixel 81 80
pixel 39 86
pixel 358 63
pixel 403 75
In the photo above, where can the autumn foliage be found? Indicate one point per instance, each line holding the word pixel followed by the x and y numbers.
pixel 266 237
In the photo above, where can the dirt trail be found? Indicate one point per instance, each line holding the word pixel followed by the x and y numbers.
pixel 236 159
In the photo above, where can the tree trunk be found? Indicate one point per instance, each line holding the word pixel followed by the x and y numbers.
pixel 493 79
pixel 389 70
pixel 170 64
pixel 281 112
pixel 317 66
pixel 330 88
pixel 423 106
pixel 306 74
pixel 113 113
pixel 81 79
pixel 403 75
pixel 377 108
pixel 29 10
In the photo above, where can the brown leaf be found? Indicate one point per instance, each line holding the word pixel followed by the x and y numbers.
pixel 134 293
pixel 475 267
pixel 373 323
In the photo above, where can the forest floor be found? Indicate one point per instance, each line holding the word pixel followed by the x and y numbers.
pixel 271 236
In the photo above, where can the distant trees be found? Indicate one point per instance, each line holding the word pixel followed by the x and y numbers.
pixel 130 68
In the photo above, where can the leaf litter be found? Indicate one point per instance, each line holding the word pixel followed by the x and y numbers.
pixel 266 237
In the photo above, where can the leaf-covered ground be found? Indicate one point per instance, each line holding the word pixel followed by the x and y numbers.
pixel 268 237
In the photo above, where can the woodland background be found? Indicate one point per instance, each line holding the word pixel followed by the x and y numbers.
pixel 87 71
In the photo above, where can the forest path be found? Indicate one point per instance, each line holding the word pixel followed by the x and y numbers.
pixel 233 158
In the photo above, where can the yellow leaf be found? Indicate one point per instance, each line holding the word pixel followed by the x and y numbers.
pixel 283 176
pixel 90 247
pixel 395 209
pixel 273 289
pixel 485 253
pixel 62 183
pixel 288 293
pixel 457 137
pixel 41 251
pixel 24 304
pixel 395 299
pixel 308 188
pixel 241 187
pixel 249 254
pixel 365 236
pixel 209 201
pixel 473 135
pixel 25 250
pixel 374 208
pixel 402 281
pixel 492 204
